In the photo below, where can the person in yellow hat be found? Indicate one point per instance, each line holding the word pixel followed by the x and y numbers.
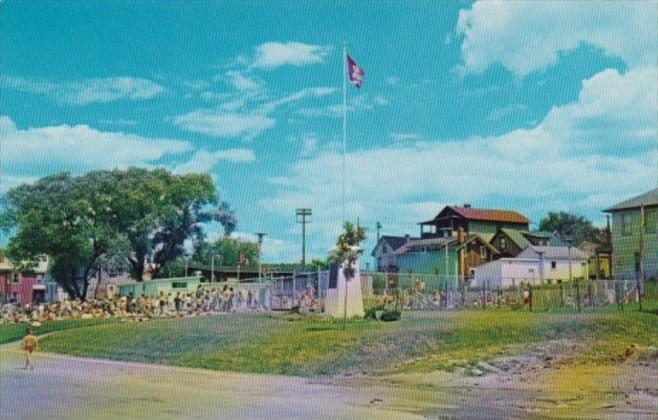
pixel 30 344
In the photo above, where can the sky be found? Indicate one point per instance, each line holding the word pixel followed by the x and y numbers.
pixel 528 106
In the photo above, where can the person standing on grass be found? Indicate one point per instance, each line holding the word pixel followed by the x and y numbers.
pixel 30 344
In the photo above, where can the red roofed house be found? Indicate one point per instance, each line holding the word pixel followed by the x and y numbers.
pixel 482 222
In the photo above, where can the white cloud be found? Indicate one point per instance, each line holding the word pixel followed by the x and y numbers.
pixel 404 136
pixel 581 157
pixel 87 91
pixel 232 119
pixel 527 36
pixel 242 82
pixel 205 161
pixel 272 55
pixel 34 152
pixel 221 124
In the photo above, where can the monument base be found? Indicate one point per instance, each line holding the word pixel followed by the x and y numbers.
pixel 346 298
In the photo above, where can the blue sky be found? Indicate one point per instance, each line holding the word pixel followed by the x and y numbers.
pixel 529 106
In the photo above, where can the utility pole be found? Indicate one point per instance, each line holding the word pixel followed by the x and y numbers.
pixel 378 226
pixel 303 217
pixel 260 246
pixel 640 274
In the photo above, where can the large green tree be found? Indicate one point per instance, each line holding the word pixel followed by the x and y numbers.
pixel 576 228
pixel 87 222
pixel 228 252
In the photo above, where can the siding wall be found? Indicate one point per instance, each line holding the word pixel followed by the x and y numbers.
pixel 624 247
pixel 430 262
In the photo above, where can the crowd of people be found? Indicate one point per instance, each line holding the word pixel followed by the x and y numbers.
pixel 203 301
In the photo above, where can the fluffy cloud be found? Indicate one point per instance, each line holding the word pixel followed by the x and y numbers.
pixel 528 36
pixel 28 154
pixel 244 116
pixel 89 90
pixel 205 161
pixel 583 157
pixel 222 124
pixel 272 55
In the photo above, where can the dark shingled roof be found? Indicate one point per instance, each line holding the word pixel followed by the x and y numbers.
pixel 647 199
pixel 394 242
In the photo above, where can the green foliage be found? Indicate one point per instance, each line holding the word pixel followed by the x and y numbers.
pixel 347 249
pixel 378 284
pixel 112 220
pixel 575 227
pixel 228 252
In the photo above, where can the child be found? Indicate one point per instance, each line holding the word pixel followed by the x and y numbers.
pixel 30 344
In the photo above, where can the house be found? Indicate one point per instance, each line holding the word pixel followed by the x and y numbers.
pixel 483 222
pixel 534 265
pixel 511 242
pixel 22 285
pixel 454 256
pixel 600 259
pixel 384 252
pixel 635 237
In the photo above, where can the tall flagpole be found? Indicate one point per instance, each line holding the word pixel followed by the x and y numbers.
pixel 344 128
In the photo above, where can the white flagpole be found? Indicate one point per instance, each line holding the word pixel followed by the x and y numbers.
pixel 344 128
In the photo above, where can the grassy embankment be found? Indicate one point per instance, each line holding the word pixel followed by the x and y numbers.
pixel 421 341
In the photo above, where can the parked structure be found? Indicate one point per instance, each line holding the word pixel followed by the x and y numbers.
pixel 152 288
pixel 20 285
pixel 635 236
pixel 535 265
pixel 483 222
pixel 384 252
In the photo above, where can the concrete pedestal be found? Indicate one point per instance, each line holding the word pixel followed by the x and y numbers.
pixel 334 304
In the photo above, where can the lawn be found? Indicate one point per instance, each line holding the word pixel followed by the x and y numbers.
pixel 311 346
pixel 14 332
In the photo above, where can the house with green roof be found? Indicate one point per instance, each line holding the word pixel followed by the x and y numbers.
pixel 635 236
pixel 511 242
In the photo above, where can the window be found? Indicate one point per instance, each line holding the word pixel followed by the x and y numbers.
pixel 650 220
pixel 637 262
pixel 16 277
pixel 503 243
pixel 553 265
pixel 483 252
pixel 179 285
pixel 625 224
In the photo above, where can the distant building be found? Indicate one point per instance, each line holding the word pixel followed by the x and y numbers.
pixel 600 259
pixel 429 256
pixel 384 252
pixel 483 222
pixel 627 218
pixel 22 286
pixel 535 265
pixel 511 242
pixel 153 288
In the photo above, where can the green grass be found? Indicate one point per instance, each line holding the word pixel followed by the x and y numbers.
pixel 310 346
pixel 14 332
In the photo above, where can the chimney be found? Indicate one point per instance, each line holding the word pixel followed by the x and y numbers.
pixel 467 206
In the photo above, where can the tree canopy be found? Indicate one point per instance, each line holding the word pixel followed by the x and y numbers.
pixel 347 249
pixel 103 218
pixel 576 228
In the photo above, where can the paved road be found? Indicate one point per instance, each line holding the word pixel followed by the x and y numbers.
pixel 62 387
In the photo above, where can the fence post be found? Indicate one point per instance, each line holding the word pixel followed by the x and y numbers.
pixel 530 297
pixel 561 295
pixel 578 294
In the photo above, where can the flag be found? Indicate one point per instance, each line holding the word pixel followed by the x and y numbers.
pixel 354 72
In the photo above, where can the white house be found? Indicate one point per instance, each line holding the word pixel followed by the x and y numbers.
pixel 534 265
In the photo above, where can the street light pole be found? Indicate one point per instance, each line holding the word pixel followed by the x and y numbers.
pixel 260 247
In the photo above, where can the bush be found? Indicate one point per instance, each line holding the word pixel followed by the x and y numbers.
pixel 390 315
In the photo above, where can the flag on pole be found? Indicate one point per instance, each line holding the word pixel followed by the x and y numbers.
pixel 354 72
